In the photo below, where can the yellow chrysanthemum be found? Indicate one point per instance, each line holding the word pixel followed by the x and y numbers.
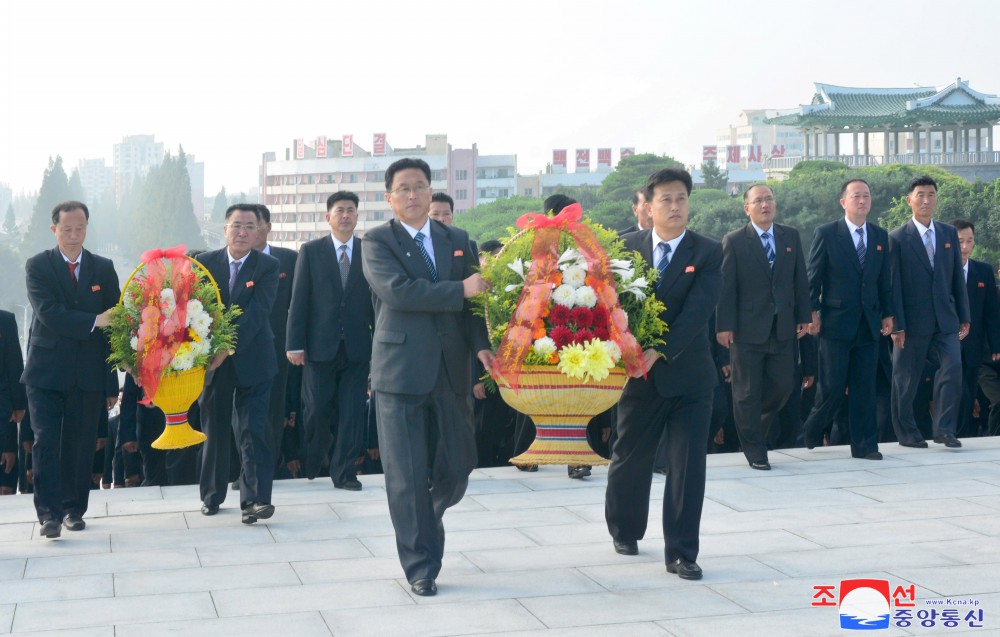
pixel 573 361
pixel 598 361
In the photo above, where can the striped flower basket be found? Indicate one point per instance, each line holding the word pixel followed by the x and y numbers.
pixel 560 408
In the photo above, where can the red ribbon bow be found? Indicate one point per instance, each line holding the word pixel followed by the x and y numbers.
pixel 176 252
pixel 570 217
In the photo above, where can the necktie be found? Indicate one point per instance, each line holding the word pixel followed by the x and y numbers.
pixel 664 261
pixel 929 244
pixel 345 266
pixel 232 277
pixel 72 271
pixel 768 249
pixel 862 250
pixel 419 238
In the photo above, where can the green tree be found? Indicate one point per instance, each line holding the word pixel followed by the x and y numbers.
pixel 55 189
pixel 713 176
pixel 219 206
pixel 492 220
pixel 9 222
pixel 631 174
pixel 164 215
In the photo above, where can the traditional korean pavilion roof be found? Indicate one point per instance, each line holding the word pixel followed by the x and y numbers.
pixel 842 106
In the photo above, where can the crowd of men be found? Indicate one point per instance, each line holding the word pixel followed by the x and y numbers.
pixel 360 355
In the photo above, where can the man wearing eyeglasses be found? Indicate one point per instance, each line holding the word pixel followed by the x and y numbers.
pixel 421 275
pixel 764 308
pixel 238 384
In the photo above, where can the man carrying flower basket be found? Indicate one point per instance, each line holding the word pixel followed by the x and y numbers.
pixel 674 397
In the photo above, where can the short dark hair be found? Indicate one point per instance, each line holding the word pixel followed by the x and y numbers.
pixel 635 196
pixel 265 214
pixel 443 196
pixel 963 224
pixel 557 202
pixel 492 247
pixel 341 195
pixel 245 207
pixel 665 176
pixel 403 164
pixel 69 206
pixel 855 180
pixel 746 193
pixel 923 180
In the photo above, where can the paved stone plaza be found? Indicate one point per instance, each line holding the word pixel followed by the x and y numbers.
pixel 528 553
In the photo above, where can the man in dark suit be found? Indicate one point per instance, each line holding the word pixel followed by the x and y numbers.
pixel 643 220
pixel 69 382
pixel 421 274
pixel 238 384
pixel 763 309
pixel 279 319
pixel 13 400
pixel 674 399
pixel 931 317
pixel 983 342
pixel 850 290
pixel 330 332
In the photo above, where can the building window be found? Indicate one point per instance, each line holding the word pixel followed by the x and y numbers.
pixel 502 172
pixel 503 192
pixel 353 178
pixel 376 175
pixel 528 192
pixel 482 193
pixel 438 175
pixel 461 175
pixel 461 194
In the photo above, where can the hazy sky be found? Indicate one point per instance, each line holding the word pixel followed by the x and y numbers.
pixel 231 80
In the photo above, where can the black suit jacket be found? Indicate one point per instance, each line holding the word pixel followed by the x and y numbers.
pixel 690 291
pixel 753 294
pixel 984 329
pixel 254 291
pixel 65 351
pixel 12 395
pixel 283 298
pixel 927 300
pixel 322 307
pixel 420 325
pixel 843 291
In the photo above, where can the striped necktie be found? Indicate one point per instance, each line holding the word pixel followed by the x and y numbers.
pixel 419 238
pixel 664 261
pixel 862 250
pixel 768 248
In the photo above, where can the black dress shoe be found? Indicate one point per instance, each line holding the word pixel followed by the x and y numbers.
pixel 761 466
pixel 626 548
pixel 685 569
pixel 875 455
pixel 209 509
pixel 350 485
pixel 424 588
pixel 952 442
pixel 920 444
pixel 50 529
pixel 74 522
pixel 254 511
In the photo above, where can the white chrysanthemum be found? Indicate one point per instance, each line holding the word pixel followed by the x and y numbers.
pixel 584 296
pixel 168 302
pixel 575 277
pixel 544 346
pixel 199 348
pixel 134 343
pixel 614 351
pixel 201 323
pixel 194 307
pixel 564 295
pixel 183 359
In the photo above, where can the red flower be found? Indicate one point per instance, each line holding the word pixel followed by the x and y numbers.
pixel 561 335
pixel 600 317
pixel 602 333
pixel 560 315
pixel 582 336
pixel 582 317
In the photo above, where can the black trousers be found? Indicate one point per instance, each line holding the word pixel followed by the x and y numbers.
pixel 428 448
pixel 334 415
pixel 230 411
pixel 682 422
pixel 65 426
pixel 907 372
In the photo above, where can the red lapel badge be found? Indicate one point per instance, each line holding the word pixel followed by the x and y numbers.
pixel 458 253
pixel 282 275
pixel 981 284
pixel 878 248
pixel 690 268
pixel 95 288
pixel 249 284
pixel 947 245
pixel 788 249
